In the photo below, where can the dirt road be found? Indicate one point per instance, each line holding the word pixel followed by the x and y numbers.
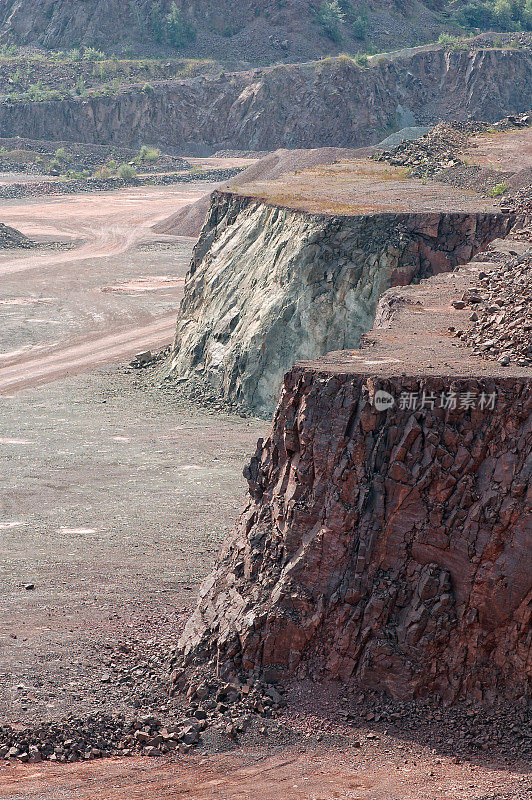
pixel 84 355
pixel 114 292
pixel 318 774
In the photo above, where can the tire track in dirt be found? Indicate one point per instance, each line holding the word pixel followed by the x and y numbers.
pixel 81 356
pixel 105 226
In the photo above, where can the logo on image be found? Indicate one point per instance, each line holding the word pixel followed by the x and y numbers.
pixel 383 400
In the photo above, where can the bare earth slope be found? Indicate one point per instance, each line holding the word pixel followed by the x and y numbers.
pixel 246 30
pixel 189 221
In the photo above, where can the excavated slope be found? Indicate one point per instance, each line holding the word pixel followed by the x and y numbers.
pixel 327 103
pixel 227 29
pixel 269 285
pixel 386 541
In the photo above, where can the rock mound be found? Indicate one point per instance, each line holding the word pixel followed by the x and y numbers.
pixel 10 237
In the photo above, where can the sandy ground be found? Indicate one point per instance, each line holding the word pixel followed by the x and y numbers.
pixel 113 503
pixel 510 151
pixel 310 773
pixel 115 292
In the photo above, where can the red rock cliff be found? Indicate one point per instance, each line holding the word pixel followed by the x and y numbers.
pixel 388 549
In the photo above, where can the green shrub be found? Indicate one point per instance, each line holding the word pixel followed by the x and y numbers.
pixel 149 154
pixel 446 39
pixel 361 60
pixel 8 50
pixel 497 190
pixel 126 172
pixel 179 31
pixel 102 172
pixel 148 88
pixel 359 26
pixel 507 15
pixel 91 54
pixel 174 28
pixel 330 16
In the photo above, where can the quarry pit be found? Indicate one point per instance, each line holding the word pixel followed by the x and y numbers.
pixel 375 594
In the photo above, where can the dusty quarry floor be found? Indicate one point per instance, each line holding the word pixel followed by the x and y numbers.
pixel 114 499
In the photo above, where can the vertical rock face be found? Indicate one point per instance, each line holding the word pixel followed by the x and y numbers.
pixel 322 104
pixel 268 286
pixel 387 549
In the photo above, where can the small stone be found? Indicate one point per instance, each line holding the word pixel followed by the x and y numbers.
pixel 458 304
pixel 29 587
pixel 34 754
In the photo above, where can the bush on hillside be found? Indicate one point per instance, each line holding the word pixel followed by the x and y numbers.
pixel 173 28
pixel 148 154
pixel 330 16
pixel 507 15
pixel 126 172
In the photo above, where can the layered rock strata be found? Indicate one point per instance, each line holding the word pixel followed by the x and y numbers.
pixel 387 537
pixel 269 285
pixel 321 104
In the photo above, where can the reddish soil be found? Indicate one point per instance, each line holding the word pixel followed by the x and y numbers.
pixel 510 151
pixel 114 501
pixel 317 773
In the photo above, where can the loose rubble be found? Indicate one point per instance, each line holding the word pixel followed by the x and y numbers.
pixel 501 313
pixel 74 186
pixel 225 707
pixel 440 148
pixel 10 238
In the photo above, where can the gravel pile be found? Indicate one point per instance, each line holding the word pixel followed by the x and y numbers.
pixel 98 736
pixel 9 237
pixel 226 708
pixel 502 313
pixel 432 153
pixel 521 202
pixel 439 149
pixel 459 730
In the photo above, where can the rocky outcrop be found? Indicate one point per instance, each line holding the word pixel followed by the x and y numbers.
pixel 228 29
pixel 389 549
pixel 327 103
pixel 269 285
